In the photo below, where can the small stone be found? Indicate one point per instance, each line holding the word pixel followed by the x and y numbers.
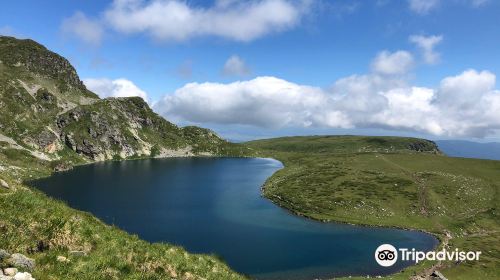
pixel 4 254
pixel 62 259
pixel 23 276
pixel 2 277
pixel 77 253
pixel 4 184
pixel 11 271
pixel 20 260
pixel 189 276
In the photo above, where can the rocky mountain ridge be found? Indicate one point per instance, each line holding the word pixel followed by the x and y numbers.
pixel 45 109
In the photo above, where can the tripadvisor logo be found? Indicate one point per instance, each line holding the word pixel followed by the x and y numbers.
pixel 387 255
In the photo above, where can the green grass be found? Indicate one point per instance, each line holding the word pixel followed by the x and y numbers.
pixel 43 228
pixel 361 180
pixel 384 181
pixel 110 253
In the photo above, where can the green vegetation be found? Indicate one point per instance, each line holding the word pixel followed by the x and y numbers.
pixel 387 181
pixel 45 229
pixel 50 121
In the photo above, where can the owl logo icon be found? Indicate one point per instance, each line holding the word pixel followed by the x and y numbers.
pixel 386 255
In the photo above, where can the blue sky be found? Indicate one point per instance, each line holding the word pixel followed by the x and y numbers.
pixel 311 45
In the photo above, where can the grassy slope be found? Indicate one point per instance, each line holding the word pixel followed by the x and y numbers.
pixel 42 228
pixel 38 91
pixel 379 181
pixel 339 178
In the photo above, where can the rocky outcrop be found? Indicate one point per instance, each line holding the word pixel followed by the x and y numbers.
pixel 21 261
pixel 45 108
pixel 37 59
pixel 424 146
pixel 15 266
pixel 127 127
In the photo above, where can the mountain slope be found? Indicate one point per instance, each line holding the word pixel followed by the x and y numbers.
pixel 46 109
pixel 49 120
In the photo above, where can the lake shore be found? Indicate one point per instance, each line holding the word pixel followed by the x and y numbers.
pixel 30 171
pixel 240 203
pixel 383 188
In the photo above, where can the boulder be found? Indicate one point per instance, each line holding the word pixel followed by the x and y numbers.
pixel 63 166
pixel 4 184
pixel 21 261
pixel 11 271
pixel 23 276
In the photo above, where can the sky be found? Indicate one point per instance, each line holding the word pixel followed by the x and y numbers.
pixel 264 68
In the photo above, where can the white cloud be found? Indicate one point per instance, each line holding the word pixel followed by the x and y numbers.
pixel 235 66
pixel 114 88
pixel 264 101
pixel 466 105
pixel 427 44
pixel 423 6
pixel 469 102
pixel 396 63
pixel 83 28
pixel 176 20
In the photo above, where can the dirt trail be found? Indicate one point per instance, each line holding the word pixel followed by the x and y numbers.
pixel 426 274
pixel 422 198
pixel 422 186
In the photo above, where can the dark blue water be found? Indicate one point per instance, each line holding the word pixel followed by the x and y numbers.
pixel 215 206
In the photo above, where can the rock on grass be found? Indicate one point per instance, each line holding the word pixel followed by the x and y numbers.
pixel 21 261
pixel 4 184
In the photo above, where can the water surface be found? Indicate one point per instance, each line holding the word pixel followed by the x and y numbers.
pixel 215 206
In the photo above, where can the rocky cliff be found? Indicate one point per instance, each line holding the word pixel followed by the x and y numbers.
pixel 46 110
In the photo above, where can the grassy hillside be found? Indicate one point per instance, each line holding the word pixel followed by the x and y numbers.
pixel 387 181
pixel 70 244
pixel 50 121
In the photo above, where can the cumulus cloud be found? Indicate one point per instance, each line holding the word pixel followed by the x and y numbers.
pixel 423 6
pixel 427 44
pixel 235 66
pixel 176 20
pixel 465 105
pixel 81 27
pixel 114 88
pixel 396 63
pixel 264 101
